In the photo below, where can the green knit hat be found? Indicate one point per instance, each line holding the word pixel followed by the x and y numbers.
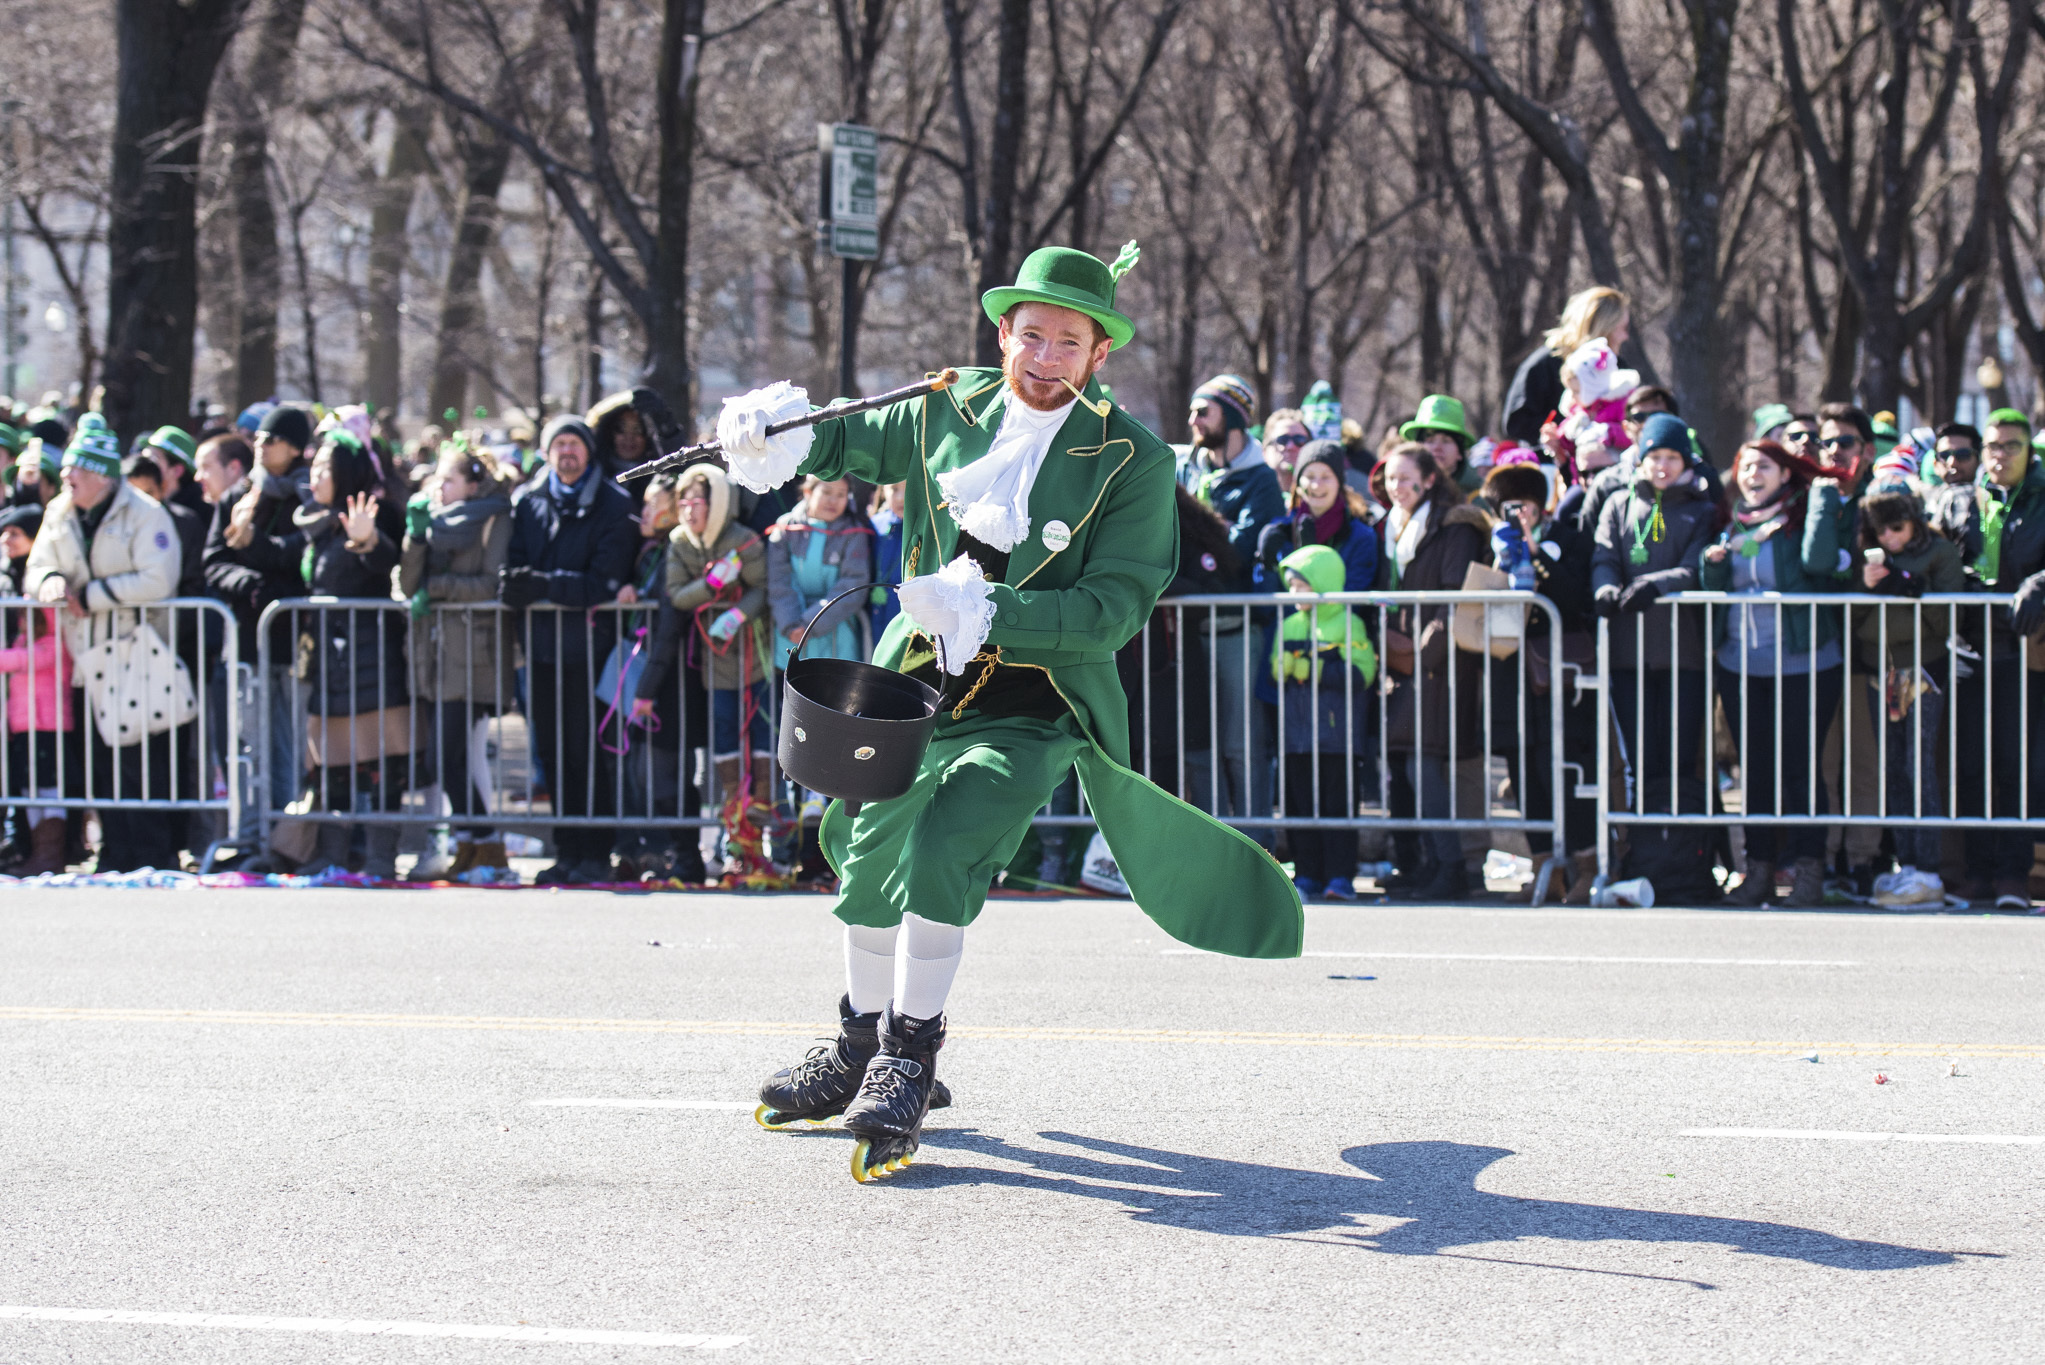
pixel 1439 412
pixel 10 439
pixel 94 447
pixel 177 443
pixel 1771 416
pixel 1070 279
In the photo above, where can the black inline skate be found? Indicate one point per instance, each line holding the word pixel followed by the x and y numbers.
pixel 898 1091
pixel 817 1088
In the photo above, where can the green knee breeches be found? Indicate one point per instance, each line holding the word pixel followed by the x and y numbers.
pixel 935 850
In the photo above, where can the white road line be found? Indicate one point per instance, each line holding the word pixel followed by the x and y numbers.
pixel 368 1328
pixel 1828 1135
pixel 1529 957
pixel 644 1104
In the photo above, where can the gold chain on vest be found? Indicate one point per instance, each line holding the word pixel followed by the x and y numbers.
pixel 993 661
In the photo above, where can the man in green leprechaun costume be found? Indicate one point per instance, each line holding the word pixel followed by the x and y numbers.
pixel 1040 529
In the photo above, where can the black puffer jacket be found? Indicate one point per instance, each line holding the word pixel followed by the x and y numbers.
pixel 354 660
pixel 267 568
pixel 1689 521
pixel 574 552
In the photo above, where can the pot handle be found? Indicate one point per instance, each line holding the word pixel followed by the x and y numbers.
pixel 802 638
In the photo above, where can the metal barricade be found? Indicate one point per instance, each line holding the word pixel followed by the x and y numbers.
pixel 527 714
pixel 1944 685
pixel 1214 668
pixel 138 710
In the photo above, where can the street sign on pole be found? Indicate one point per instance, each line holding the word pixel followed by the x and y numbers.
pixel 850 224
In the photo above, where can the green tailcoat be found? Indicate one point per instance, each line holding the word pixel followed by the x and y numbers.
pixel 1066 610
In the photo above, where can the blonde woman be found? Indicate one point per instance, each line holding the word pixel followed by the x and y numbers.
pixel 1536 390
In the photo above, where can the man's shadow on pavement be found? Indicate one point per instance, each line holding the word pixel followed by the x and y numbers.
pixel 1430 1188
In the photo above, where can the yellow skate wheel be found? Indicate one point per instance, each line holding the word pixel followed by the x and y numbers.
pixel 861 1172
pixel 764 1116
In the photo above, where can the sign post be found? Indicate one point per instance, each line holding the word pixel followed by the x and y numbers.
pixel 848 220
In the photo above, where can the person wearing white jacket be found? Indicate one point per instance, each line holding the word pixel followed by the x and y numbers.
pixel 105 550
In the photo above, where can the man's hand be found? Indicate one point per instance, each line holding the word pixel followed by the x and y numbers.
pixel 1605 602
pixel 1639 595
pixel 518 587
pixel 758 461
pixel 628 595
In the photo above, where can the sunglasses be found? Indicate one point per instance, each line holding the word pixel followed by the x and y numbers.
pixel 1840 443
pixel 1291 439
pixel 1799 437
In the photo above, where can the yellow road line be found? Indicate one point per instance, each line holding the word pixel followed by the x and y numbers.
pixel 1460 1042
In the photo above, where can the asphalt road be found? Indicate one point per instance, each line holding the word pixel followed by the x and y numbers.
pixel 1467 1134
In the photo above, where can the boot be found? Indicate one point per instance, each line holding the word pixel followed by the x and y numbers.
pixel 894 1096
pixel 1756 888
pixel 766 779
pixel 729 774
pixel 329 850
pixel 818 1087
pixel 1450 882
pixel 380 852
pixel 1583 875
pixel 1808 885
pixel 45 849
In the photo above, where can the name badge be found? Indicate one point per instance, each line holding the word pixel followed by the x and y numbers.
pixel 1057 535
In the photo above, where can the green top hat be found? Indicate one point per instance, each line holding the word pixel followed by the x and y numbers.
pixel 1439 412
pixel 1070 279
pixel 176 443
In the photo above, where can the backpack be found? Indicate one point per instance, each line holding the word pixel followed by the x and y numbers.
pixel 1675 859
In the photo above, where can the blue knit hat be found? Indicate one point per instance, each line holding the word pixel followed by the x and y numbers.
pixel 1666 431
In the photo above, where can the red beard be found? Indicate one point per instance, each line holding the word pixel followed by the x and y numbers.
pixel 1054 395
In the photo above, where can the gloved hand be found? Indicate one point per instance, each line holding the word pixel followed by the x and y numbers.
pixel 2027 608
pixel 1605 601
pixel 722 572
pixel 1639 595
pixel 519 587
pixel 727 624
pixel 419 604
pixel 759 461
pixel 951 607
pixel 418 515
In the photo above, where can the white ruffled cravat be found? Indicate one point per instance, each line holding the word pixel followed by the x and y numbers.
pixel 990 498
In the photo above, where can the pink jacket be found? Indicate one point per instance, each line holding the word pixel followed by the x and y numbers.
pixel 38 707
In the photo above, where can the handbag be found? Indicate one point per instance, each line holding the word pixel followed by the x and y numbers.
pixel 1508 620
pixel 137 686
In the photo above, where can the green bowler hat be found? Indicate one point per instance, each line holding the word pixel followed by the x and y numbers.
pixel 1070 279
pixel 1439 412
pixel 177 443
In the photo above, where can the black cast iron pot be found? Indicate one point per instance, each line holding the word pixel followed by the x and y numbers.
pixel 852 730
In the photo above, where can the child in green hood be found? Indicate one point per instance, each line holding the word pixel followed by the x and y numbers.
pixel 1324 665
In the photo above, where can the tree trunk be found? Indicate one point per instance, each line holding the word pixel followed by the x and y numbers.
pixel 258 269
pixel 486 157
pixel 667 328
pixel 166 58
pixel 1004 165
pixel 390 212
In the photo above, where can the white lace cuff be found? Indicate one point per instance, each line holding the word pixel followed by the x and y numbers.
pixel 952 607
pixel 758 461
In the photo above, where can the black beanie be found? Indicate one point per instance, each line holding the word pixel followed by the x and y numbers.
pixel 293 426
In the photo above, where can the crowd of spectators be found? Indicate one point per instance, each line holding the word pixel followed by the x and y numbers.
pixel 637 630
pixel 1597 495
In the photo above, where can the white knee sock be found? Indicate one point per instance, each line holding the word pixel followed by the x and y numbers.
pixel 926 960
pixel 869 967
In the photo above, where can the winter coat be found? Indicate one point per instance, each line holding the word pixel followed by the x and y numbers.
pixel 1449 545
pixel 884 606
pixel 1172 655
pixel 461 655
pixel 1804 560
pixel 1929 564
pixel 1535 394
pixel 354 660
pixel 2020 567
pixel 1245 495
pixel 1689 523
pixel 265 570
pixel 1323 662
pixel 39 699
pixel 134 559
pixel 741 659
pixel 1356 542
pixel 848 547
pixel 580 549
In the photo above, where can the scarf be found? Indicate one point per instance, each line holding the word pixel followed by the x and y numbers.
pixel 1994 512
pixel 990 498
pixel 1407 531
pixel 1757 524
pixel 1327 526
pixel 567 493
